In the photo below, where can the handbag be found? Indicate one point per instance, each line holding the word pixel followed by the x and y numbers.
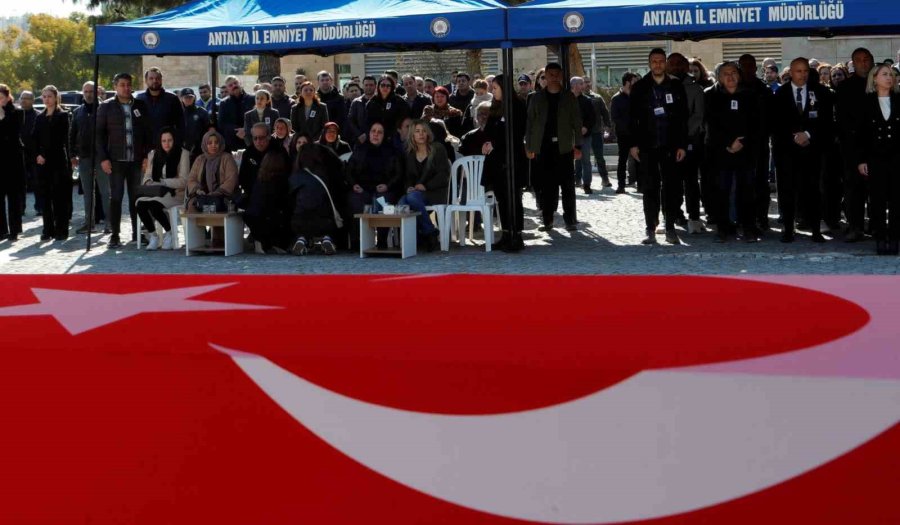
pixel 217 201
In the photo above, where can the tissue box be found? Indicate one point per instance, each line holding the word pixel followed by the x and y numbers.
pixel 389 209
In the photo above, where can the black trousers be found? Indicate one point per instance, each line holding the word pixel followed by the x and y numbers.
pixel 742 179
pixel 12 203
pixel 762 198
pixel 799 175
pixel 884 182
pixel 556 173
pixel 625 168
pixel 125 175
pixel 833 186
pixel 55 187
pixel 659 181
pixel 501 190
pixel 150 211
pixel 688 187
pixel 856 192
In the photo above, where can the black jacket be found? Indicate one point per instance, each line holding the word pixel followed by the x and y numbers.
pixel 495 165
pixel 196 124
pixel 460 101
pixel 165 110
pixel 418 104
pixel 588 117
pixel 337 110
pixel 877 136
pixel 315 124
pixel 644 104
pixel 111 130
pixel 620 113
pixel 231 118
pixel 729 116
pixel 283 105
pixel 28 118
pixel 371 165
pixel 12 177
pixel 390 112
pixel 51 136
pixel 817 118
pixel 356 121
pixel 81 132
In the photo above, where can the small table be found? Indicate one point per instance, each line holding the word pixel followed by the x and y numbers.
pixel 405 221
pixel 195 238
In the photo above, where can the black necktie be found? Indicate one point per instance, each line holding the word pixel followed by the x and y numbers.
pixel 800 100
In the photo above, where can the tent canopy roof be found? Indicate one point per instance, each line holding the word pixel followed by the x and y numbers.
pixel 626 20
pixel 322 27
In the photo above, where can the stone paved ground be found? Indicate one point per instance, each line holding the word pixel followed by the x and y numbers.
pixel 608 242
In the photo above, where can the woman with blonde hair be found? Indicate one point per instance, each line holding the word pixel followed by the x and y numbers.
pixel 427 177
pixel 878 156
pixel 51 136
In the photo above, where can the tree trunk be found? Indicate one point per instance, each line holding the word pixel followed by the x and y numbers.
pixel 269 67
pixel 473 62
pixel 576 64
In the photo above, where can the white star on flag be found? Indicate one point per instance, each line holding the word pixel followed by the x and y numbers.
pixel 80 311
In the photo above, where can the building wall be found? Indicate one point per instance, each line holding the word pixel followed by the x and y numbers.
pixel 834 50
pixel 178 71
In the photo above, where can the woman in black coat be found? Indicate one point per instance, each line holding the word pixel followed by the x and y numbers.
pixel 386 107
pixel 268 210
pixel 878 156
pixel 12 180
pixel 496 169
pixel 51 132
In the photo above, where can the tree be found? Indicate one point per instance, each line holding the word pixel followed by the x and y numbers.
pixel 54 51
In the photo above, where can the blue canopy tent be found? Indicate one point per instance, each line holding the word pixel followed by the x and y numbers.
pixel 630 20
pixel 215 27
pixel 324 27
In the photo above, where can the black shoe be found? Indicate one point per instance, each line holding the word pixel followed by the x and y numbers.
pixel 764 225
pixel 61 238
pixel 620 191
pixel 433 241
pixel 515 244
pixel 106 231
pixel 114 242
pixel 45 237
pixel 571 227
pixel 817 237
pixel 606 183
pixel 787 236
pixel 751 237
pixel 84 229
pixel 854 236
pixel 13 237
pixel 681 221
pixel 804 225
pixel 588 190
pixel 672 237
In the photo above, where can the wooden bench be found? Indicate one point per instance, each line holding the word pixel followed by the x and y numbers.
pixel 195 237
pixel 405 221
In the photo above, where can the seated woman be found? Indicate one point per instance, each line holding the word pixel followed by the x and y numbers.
pixel 283 136
pixel 267 209
pixel 262 112
pixel 427 178
pixel 373 171
pixel 314 189
pixel 167 171
pixel 213 179
pixel 332 140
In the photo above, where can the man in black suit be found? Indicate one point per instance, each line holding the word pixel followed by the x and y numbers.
pixel 802 131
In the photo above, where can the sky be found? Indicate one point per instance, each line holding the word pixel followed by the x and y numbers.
pixel 52 7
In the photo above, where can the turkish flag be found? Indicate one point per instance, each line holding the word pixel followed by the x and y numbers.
pixel 140 420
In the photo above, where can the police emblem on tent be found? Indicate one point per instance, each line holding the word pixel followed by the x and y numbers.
pixel 573 21
pixel 440 27
pixel 150 39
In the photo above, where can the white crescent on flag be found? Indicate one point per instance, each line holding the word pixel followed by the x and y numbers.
pixel 659 443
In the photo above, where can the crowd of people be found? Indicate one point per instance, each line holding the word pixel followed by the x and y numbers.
pixel 697 144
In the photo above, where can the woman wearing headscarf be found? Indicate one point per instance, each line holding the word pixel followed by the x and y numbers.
pixel 309 115
pixel 167 170
pixel 455 120
pixel 51 135
pixel 331 139
pixel 386 107
pixel 214 173
pixel 12 155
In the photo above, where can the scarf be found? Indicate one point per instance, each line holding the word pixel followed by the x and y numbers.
pixel 212 162
pixel 441 112
pixel 169 161
pixel 478 99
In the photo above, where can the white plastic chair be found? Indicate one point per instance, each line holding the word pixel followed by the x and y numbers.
pixel 469 169
pixel 174 220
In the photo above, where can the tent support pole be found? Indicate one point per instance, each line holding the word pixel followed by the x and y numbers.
pixel 214 89
pixel 509 92
pixel 89 214
pixel 564 62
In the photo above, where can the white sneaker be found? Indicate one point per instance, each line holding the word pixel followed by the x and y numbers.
pixel 695 227
pixel 153 243
pixel 167 243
